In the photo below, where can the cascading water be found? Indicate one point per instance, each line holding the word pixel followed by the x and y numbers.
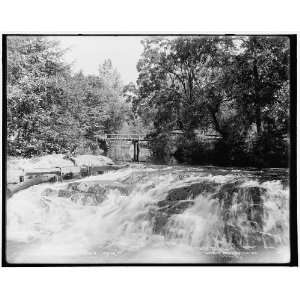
pixel 154 214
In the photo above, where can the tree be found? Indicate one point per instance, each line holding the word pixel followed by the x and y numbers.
pixel 179 79
pixel 52 110
pixel 134 123
pixel 261 71
pixel 110 76
pixel 35 70
pixel 215 82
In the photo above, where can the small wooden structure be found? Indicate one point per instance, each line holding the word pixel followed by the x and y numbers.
pixel 134 138
pixel 122 137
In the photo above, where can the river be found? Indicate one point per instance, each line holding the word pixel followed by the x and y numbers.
pixel 154 214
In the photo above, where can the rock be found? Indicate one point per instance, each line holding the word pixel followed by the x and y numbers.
pixel 236 201
pixel 174 204
pixel 65 193
pixel 233 235
pixel 86 198
pixel 89 192
pixel 191 191
pixel 97 186
pixel 136 177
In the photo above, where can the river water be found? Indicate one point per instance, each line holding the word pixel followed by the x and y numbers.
pixel 154 214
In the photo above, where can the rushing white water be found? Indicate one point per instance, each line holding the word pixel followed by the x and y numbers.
pixel 155 214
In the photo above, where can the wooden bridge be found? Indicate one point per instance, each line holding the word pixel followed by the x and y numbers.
pixel 207 136
pixel 134 138
pixel 123 137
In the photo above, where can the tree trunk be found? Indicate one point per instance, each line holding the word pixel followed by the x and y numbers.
pixel 257 99
pixel 213 112
pixel 256 90
pixel 217 125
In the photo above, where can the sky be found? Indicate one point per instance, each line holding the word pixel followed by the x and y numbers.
pixel 88 52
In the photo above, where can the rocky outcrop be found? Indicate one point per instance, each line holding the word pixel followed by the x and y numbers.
pixel 178 200
pixel 241 210
pixel 87 193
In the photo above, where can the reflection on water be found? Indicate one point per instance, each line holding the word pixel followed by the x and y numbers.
pixel 157 214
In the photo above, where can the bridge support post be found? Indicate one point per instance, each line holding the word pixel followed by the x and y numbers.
pixel 136 150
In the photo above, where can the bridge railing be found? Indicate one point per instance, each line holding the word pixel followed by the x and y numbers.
pixel 122 137
pixel 142 137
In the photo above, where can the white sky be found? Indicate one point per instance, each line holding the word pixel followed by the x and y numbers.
pixel 88 52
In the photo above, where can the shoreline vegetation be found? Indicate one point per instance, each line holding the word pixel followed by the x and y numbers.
pixel 236 90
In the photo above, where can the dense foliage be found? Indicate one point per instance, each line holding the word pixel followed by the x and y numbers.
pixel 49 109
pixel 237 88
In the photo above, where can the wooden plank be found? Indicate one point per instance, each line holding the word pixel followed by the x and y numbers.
pixel 95 170
pixel 12 189
pixel 52 176
pixel 43 171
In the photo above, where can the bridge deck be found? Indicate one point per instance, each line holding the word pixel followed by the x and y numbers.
pixel 123 137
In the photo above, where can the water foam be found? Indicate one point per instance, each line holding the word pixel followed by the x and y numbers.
pixel 54 228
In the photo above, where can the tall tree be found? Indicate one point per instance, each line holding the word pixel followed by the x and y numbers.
pixel 35 72
pixel 219 82
pixel 261 71
pixel 52 110
pixel 180 80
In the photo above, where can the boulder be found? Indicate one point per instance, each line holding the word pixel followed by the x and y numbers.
pixel 87 193
pixel 97 187
pixel 174 204
pixel 242 210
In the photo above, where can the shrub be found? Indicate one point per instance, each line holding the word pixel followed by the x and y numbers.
pixel 161 147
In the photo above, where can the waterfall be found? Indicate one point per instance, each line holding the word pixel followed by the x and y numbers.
pixel 153 214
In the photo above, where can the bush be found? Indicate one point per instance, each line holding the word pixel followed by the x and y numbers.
pixel 161 147
pixel 192 151
pixel 270 150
